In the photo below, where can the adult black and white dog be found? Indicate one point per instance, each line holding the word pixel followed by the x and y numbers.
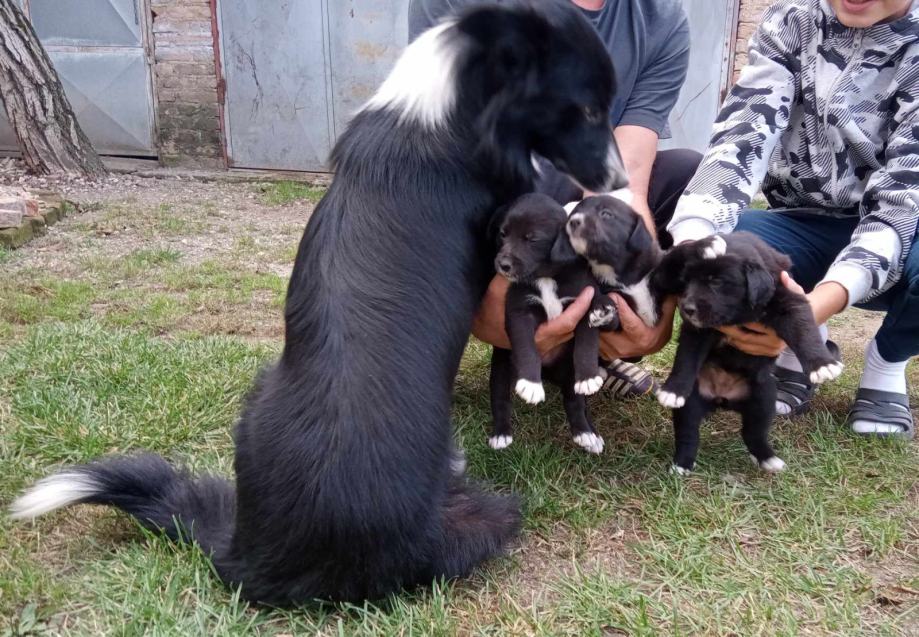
pixel 546 274
pixel 343 483
pixel 733 280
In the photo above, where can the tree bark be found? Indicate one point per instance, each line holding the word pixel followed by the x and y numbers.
pixel 51 140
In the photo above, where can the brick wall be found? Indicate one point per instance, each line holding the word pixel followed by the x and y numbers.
pixel 185 79
pixel 750 13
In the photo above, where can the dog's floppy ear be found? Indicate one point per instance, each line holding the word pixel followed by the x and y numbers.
pixel 640 239
pixel 562 252
pixel 493 229
pixel 512 47
pixel 760 284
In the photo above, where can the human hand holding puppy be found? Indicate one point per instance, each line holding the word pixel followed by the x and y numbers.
pixel 758 340
pixel 634 339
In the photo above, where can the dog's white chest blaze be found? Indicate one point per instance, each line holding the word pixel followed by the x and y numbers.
pixel 645 306
pixel 715 383
pixel 548 297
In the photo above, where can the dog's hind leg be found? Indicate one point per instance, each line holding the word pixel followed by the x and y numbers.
pixel 686 421
pixel 757 413
pixel 475 526
pixel 583 431
pixel 500 382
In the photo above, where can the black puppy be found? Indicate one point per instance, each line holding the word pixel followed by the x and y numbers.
pixel 733 280
pixel 545 275
pixel 622 255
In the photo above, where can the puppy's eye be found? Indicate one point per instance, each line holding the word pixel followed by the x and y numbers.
pixel 592 115
pixel 606 213
pixel 502 234
pixel 530 237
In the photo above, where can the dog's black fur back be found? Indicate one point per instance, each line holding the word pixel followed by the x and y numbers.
pixel 343 482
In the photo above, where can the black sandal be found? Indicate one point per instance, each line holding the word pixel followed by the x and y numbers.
pixel 888 407
pixel 795 389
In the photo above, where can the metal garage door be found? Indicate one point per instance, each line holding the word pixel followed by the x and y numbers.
pixel 296 71
pixel 97 48
pixel 712 27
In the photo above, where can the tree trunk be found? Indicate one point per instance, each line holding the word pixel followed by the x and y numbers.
pixel 50 138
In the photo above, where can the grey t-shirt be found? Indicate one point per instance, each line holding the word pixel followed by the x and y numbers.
pixel 648 41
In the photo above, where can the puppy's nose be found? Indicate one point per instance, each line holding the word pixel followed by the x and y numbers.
pixel 688 308
pixel 504 266
pixel 575 222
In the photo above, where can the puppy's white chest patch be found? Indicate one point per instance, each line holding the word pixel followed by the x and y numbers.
pixel 645 306
pixel 715 383
pixel 548 297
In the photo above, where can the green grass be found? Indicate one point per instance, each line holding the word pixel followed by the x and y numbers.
pixel 279 193
pixel 147 350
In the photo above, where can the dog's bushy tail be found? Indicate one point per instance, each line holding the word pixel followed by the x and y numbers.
pixel 477 525
pixel 148 488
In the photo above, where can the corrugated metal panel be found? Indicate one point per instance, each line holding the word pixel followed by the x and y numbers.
pixel 275 60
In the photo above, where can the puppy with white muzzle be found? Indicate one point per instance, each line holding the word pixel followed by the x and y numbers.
pixel 546 275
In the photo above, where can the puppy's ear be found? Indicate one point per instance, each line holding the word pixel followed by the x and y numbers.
pixel 760 284
pixel 640 239
pixel 494 224
pixel 562 252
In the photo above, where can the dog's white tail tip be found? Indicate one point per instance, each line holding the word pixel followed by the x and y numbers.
pixel 52 493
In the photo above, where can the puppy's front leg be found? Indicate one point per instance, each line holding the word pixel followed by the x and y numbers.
pixel 521 330
pixel 790 315
pixel 603 315
pixel 587 379
pixel 695 344
pixel 500 382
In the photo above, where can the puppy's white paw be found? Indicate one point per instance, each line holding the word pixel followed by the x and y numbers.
pixel 717 248
pixel 531 392
pixel 670 400
pixel 601 317
pixel 589 442
pixel 825 373
pixel 677 470
pixel 500 442
pixel 770 465
pixel 589 387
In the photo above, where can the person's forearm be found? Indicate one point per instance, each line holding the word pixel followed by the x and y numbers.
pixel 827 300
pixel 638 147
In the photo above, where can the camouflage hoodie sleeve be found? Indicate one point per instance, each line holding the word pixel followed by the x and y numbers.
pixel 874 259
pixel 746 131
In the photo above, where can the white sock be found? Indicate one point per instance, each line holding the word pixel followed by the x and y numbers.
pixel 788 360
pixel 882 376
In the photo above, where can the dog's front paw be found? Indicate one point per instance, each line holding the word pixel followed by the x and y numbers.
pixel 590 442
pixel 500 442
pixel 670 400
pixel 604 317
pixel 588 387
pixel 773 464
pixel 677 470
pixel 716 248
pixel 531 392
pixel 825 373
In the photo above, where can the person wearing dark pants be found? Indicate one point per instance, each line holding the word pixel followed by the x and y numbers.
pixel 824 120
pixel 648 43
pixel 813 241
